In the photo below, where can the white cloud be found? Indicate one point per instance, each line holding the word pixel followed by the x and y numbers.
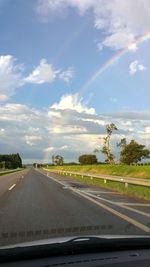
pixel 147 130
pixel 64 147
pixel 32 139
pixel 136 66
pixel 49 149
pixel 42 73
pixel 141 67
pixel 67 75
pixel 121 21
pixel 72 102
pixel 118 40
pixel 45 72
pixel 12 77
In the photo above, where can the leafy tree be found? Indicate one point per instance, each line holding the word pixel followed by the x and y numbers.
pixel 57 160
pixel 87 159
pixel 11 161
pixel 106 146
pixel 123 143
pixel 132 152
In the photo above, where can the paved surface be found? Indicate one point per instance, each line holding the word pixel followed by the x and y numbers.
pixel 35 205
pixel 6 181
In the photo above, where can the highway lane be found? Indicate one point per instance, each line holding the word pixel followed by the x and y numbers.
pixel 40 207
pixel 9 180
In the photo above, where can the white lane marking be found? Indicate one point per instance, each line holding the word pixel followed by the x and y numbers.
pixel 10 188
pixel 99 192
pixel 120 205
pixel 115 193
pixel 137 211
pixel 66 187
pixel 111 202
pixel 113 211
pixel 135 204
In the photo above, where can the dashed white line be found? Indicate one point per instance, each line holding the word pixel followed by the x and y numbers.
pixel 10 188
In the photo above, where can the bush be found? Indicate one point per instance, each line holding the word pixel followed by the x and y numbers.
pixel 87 159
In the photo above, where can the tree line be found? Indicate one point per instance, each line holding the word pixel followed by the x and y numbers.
pixel 131 152
pixel 10 161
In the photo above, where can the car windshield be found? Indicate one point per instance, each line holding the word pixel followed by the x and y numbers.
pixel 74 119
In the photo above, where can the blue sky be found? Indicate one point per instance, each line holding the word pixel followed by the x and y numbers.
pixel 48 50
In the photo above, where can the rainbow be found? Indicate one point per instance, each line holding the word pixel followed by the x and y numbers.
pixel 104 67
pixel 112 60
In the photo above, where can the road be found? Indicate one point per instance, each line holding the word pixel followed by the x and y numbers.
pixel 36 205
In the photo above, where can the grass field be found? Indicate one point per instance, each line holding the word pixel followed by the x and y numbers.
pixel 117 170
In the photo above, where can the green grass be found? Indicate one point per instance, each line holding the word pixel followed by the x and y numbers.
pixel 9 172
pixel 140 192
pixel 117 170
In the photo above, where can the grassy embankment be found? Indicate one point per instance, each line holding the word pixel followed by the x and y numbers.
pixel 9 172
pixel 117 170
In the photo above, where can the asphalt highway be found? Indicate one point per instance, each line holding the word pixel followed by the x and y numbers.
pixel 38 205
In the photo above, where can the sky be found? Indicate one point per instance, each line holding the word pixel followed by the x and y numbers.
pixel 67 69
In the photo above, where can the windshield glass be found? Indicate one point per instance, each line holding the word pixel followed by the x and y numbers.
pixel 74 119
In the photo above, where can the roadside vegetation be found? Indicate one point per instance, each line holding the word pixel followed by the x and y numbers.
pixel 10 161
pixel 136 191
pixel 131 164
pixel 116 170
pixel 139 192
pixel 131 161
pixel 9 171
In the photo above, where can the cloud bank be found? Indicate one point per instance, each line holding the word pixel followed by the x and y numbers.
pixel 67 127
pixel 120 21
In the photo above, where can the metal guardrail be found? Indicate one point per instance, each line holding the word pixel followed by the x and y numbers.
pixel 125 180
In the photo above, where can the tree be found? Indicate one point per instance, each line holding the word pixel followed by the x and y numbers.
pixel 57 160
pixel 12 161
pixel 123 143
pixel 87 159
pixel 106 146
pixel 132 152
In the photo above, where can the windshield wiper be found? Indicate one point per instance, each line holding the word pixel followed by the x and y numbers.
pixel 78 245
